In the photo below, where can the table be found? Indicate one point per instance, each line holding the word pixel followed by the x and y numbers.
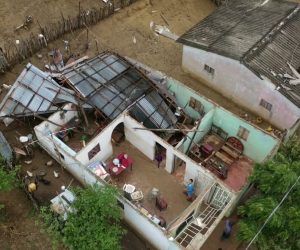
pixel 111 165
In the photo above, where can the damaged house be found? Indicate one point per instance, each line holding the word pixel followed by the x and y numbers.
pixel 248 51
pixel 138 111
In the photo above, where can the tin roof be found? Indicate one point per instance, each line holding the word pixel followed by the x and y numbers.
pixel 113 84
pixel 33 93
pixel 235 27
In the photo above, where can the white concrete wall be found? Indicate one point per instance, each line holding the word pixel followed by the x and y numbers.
pixel 141 139
pixel 242 86
pixel 145 227
pixel 104 139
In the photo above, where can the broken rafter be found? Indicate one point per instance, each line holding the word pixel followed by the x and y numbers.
pixel 169 129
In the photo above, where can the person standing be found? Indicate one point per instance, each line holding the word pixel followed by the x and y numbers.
pixel 159 159
pixel 227 229
pixel 189 191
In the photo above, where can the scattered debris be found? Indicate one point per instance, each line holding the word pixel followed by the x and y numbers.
pixel 49 163
pixel 28 162
pixel 295 72
pixel 294 82
pixel 163 17
pixel 259 120
pixel 40 56
pixel 55 174
pixel 151 24
pixel 5 86
pixel 28 19
pixel 153 11
pixel 66 45
pixel 29 174
pixel 288 76
pixel 116 10
pixel 17 41
pixel 134 40
pixel 285 87
pixel 269 129
pixel 42 39
pixel 163 30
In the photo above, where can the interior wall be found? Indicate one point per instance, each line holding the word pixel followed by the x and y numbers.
pixel 141 139
pixel 55 117
pixel 205 125
pixel 183 95
pixel 104 139
pixel 258 145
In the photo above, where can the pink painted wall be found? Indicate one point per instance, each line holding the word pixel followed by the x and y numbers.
pixel 238 83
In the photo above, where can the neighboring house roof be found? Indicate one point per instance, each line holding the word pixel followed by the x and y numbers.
pixel 33 93
pixel 264 36
pixel 112 84
pixel 270 58
pixel 5 149
pixel 234 28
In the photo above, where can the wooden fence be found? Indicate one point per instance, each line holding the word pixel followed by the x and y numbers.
pixel 14 53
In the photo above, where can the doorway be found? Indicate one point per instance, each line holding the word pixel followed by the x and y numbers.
pixel 118 134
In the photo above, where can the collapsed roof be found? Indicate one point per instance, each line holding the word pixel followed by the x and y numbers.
pixel 112 84
pixel 34 93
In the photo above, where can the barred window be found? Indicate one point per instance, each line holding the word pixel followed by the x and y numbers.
pixel 265 104
pixel 209 69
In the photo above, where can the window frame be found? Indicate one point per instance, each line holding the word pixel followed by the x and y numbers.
pixel 263 103
pixel 209 69
pixel 243 133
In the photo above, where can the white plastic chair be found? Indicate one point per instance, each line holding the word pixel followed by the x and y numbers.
pixel 128 188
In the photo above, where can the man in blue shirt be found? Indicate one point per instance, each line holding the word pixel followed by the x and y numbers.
pixel 189 191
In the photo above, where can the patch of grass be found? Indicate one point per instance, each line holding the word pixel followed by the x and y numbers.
pixel 4 218
pixel 32 213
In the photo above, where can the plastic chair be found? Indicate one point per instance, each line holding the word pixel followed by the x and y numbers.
pixel 128 188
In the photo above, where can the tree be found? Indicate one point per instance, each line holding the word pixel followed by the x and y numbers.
pixel 274 179
pixel 94 222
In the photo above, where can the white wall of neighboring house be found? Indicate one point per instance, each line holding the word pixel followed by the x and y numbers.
pixel 238 83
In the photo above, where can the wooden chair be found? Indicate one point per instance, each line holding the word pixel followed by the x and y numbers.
pixel 161 204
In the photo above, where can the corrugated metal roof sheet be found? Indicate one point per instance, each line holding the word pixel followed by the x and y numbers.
pixel 270 59
pixel 5 149
pixel 113 85
pixel 34 92
pixel 234 28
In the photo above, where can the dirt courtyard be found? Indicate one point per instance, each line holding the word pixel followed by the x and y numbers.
pixel 116 34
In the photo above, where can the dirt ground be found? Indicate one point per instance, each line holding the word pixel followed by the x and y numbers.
pixel 116 34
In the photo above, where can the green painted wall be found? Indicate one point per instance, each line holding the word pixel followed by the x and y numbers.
pixel 257 146
pixel 183 95
pixel 205 125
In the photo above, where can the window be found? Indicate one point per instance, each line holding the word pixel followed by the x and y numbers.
pixel 95 150
pixel 195 104
pixel 265 104
pixel 209 69
pixel 243 133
